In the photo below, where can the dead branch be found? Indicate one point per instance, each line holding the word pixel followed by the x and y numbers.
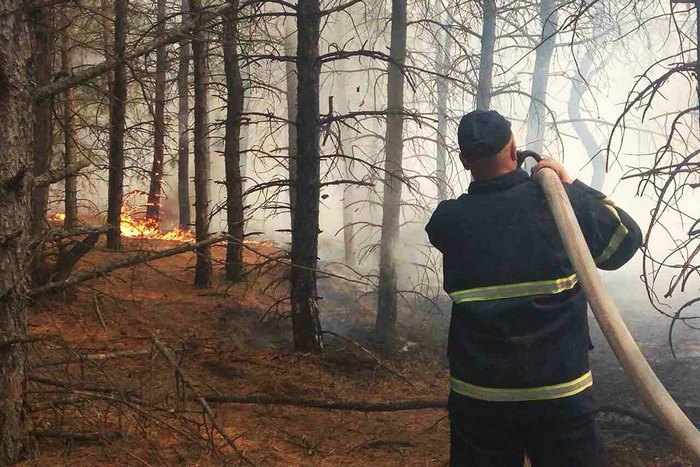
pixel 24 340
pixel 170 37
pixel 126 393
pixel 60 234
pixel 355 406
pixel 371 355
pixel 91 357
pixel 68 258
pixel 388 406
pixel 71 436
pixel 58 174
pixel 108 268
pixel 168 354
pixel 53 403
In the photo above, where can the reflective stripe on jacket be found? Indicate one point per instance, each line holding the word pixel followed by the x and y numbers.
pixel 519 328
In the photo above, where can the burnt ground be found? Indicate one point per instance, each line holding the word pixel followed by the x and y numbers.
pixel 235 340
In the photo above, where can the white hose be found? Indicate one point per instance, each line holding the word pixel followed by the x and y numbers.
pixel 654 394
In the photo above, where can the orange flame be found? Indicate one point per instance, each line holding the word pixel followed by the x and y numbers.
pixel 134 226
pixel 58 217
pixel 138 227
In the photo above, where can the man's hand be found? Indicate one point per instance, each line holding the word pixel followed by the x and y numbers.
pixel 556 166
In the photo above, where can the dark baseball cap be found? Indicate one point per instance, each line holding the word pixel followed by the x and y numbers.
pixel 483 134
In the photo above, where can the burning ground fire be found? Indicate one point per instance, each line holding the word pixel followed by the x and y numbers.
pixel 133 226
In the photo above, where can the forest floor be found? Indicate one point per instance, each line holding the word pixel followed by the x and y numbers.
pixel 99 375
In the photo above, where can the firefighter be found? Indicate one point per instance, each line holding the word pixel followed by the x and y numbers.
pixel 518 341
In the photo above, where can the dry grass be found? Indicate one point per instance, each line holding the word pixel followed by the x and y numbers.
pixel 223 345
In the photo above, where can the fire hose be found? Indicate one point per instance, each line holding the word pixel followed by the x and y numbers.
pixel 652 391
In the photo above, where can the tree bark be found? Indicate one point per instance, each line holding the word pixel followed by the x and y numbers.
pixel 443 89
pixel 117 122
pixel 232 149
pixel 305 229
pixel 107 20
pixel 488 43
pixel 69 131
pixel 183 146
pixel 578 90
pixel 16 124
pixel 43 126
pixel 537 112
pixel 290 45
pixel 387 300
pixel 203 268
pixel 156 185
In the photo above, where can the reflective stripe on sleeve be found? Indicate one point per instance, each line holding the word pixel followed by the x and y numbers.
pixel 617 237
pixel 523 289
pixel 556 391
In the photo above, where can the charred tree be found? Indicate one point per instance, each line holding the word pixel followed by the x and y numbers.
pixel 232 147
pixel 291 79
pixel 578 90
pixel 387 300
pixel 156 185
pixel 16 123
pixel 305 228
pixel 488 43
pixel 69 127
pixel 43 126
pixel 117 122
pixel 537 112
pixel 203 268
pixel 183 142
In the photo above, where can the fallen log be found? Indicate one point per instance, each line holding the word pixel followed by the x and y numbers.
pixel 140 258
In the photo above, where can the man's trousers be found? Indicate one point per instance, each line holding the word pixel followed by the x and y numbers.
pixel 501 437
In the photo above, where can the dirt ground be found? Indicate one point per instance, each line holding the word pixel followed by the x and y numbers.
pixel 100 394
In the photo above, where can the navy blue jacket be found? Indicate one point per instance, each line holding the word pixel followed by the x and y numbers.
pixel 499 240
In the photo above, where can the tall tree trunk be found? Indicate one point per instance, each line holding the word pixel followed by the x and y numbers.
pixel 232 154
pixel 537 113
pixel 305 229
pixel 43 126
pixel 69 131
pixel 107 21
pixel 443 89
pixel 578 90
pixel 488 43
pixel 117 122
pixel 349 192
pixel 183 146
pixel 387 301
pixel 290 46
pixel 245 129
pixel 16 123
pixel 203 268
pixel 155 189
